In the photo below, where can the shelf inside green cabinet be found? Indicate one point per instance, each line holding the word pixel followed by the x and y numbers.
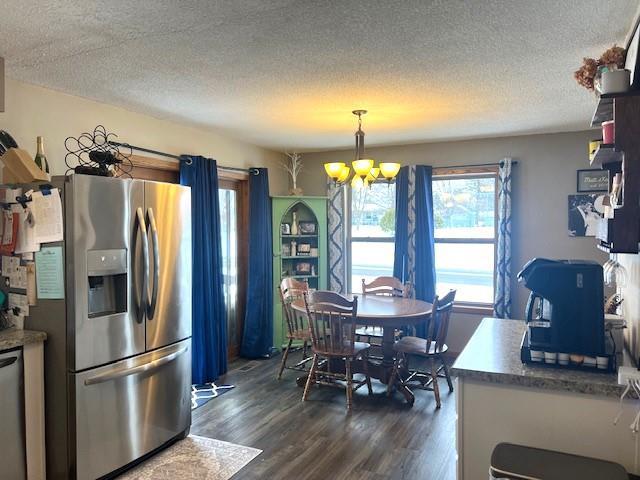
pixel 301 257
pixel 300 236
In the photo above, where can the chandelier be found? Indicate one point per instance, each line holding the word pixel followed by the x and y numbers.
pixel 364 171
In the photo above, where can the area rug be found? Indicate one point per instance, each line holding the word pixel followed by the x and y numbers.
pixel 194 458
pixel 201 394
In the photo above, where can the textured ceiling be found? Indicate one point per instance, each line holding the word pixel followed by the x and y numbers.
pixel 286 74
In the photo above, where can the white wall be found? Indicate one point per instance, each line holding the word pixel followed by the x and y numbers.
pixel 33 111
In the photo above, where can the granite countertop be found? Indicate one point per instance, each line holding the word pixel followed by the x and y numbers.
pixel 493 355
pixel 12 338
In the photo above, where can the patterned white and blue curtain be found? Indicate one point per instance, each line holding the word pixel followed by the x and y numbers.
pixel 502 302
pixel 336 217
pixel 414 258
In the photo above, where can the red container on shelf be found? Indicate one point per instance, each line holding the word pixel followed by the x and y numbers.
pixel 608 132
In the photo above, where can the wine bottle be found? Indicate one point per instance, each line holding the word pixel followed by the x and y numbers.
pixel 41 159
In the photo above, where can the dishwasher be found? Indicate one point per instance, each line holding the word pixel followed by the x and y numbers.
pixel 12 436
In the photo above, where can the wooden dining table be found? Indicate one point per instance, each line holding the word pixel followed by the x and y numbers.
pixel 390 313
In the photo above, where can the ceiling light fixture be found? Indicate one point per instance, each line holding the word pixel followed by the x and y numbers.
pixel 364 171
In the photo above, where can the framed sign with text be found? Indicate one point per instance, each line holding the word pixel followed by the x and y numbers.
pixel 593 181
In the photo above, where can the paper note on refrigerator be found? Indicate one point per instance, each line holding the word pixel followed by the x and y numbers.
pixel 47 215
pixel 26 241
pixel 18 278
pixel 20 303
pixel 31 282
pixel 6 266
pixel 7 234
pixel 49 273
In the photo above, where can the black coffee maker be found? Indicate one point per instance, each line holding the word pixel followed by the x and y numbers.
pixel 565 311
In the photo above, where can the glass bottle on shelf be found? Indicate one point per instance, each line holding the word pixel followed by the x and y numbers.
pixel 294 224
pixel 41 159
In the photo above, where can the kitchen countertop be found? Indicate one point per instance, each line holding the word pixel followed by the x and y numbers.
pixel 12 338
pixel 493 355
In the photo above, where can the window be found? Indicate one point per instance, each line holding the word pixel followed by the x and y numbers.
pixel 372 233
pixel 465 234
pixel 464 208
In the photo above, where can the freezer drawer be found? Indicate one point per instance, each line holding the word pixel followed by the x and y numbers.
pixel 12 438
pixel 129 408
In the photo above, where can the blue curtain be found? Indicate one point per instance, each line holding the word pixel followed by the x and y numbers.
pixel 257 338
pixel 209 341
pixel 414 260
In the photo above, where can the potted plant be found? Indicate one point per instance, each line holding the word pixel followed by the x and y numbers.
pixel 605 74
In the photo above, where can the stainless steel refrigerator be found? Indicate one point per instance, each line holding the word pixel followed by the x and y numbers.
pixel 118 353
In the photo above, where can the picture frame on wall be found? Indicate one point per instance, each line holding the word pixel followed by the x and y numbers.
pixel 586 210
pixel 592 180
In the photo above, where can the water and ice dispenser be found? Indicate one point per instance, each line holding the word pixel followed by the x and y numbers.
pixel 107 276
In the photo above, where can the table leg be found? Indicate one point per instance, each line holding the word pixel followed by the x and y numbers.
pixel 388 354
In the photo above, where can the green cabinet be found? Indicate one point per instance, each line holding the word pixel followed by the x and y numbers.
pixel 299 249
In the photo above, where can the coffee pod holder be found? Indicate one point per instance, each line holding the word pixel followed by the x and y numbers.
pixel 548 359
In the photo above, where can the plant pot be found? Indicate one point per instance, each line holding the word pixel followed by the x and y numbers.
pixel 615 81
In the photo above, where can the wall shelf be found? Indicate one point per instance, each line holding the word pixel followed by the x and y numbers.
pixel 621 233
pixel 605 154
pixel 604 109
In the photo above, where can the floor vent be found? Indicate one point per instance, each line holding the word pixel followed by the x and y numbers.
pixel 248 366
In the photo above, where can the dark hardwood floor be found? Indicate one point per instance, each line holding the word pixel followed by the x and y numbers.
pixel 382 439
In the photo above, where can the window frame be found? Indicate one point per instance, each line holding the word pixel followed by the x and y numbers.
pixel 444 173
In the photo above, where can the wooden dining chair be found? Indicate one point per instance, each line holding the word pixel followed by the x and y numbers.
pixel 431 348
pixel 383 286
pixel 332 324
pixel 297 329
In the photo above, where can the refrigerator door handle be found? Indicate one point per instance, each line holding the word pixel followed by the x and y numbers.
pixel 151 310
pixel 5 362
pixel 142 293
pixel 125 372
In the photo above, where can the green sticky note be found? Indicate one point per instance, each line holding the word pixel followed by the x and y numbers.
pixel 49 273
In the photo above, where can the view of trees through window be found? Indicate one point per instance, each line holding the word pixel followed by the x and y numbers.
pixel 464 216
pixel 372 232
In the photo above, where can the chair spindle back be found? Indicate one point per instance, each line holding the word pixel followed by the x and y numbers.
pixel 332 322
pixel 439 325
pixel 386 286
pixel 291 290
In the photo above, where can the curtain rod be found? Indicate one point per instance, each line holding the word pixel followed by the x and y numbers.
pixel 498 164
pixel 175 157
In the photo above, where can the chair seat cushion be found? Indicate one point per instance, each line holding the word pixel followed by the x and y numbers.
pixel 369 331
pixel 358 347
pixel 417 346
